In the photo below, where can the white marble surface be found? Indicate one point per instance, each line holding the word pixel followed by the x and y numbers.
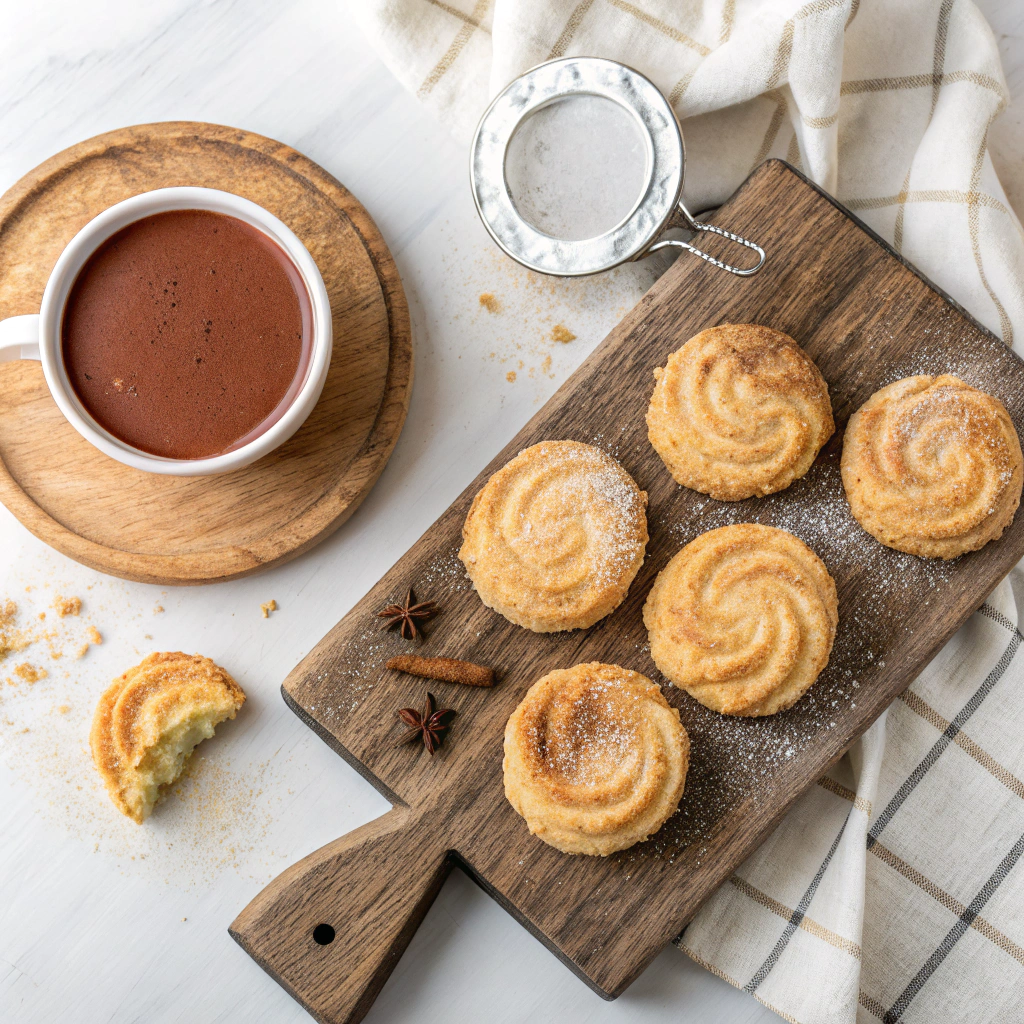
pixel 102 921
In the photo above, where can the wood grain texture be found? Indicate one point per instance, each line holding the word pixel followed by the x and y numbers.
pixel 172 530
pixel 867 319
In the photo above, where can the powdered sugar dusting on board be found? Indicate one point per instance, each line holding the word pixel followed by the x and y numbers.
pixel 353 680
pixel 743 759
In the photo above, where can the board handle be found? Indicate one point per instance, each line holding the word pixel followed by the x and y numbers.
pixel 331 928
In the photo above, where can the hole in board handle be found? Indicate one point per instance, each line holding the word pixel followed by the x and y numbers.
pixel 323 934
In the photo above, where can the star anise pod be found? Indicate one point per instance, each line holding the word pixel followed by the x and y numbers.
pixel 431 725
pixel 408 615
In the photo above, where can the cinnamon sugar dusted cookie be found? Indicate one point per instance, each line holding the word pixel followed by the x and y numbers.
pixel 554 538
pixel 595 759
pixel 743 619
pixel 148 722
pixel 932 466
pixel 740 410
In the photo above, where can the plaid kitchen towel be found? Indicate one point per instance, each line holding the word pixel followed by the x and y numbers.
pixel 893 891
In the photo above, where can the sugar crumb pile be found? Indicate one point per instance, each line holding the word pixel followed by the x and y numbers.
pixel 65 606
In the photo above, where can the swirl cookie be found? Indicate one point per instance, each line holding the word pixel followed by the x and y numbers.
pixel 932 466
pixel 743 619
pixel 554 538
pixel 595 759
pixel 739 410
pixel 148 722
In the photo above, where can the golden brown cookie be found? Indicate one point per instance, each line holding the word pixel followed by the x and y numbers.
pixel 743 619
pixel 932 466
pixel 739 410
pixel 149 720
pixel 554 538
pixel 595 758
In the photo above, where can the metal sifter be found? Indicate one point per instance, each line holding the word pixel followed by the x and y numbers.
pixel 530 131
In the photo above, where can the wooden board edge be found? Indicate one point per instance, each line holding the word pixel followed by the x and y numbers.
pixel 259 960
pixel 307 719
pixel 887 246
pixel 526 923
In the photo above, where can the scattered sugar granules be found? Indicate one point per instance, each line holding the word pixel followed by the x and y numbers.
pixel 94 637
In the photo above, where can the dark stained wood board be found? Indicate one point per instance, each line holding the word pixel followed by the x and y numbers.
pixel 186 530
pixel 867 319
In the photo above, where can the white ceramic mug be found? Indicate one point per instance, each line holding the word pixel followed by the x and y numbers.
pixel 38 336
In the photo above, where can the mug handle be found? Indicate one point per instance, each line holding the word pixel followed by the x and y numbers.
pixel 19 338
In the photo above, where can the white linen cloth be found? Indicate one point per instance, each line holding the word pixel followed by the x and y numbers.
pixel 893 890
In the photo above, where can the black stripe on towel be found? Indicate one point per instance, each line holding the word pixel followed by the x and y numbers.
pixel 897 1009
pixel 955 726
pixel 798 915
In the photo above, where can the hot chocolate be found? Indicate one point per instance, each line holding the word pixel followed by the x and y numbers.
pixel 187 334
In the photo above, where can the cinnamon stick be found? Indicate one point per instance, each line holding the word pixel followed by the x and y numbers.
pixel 448 670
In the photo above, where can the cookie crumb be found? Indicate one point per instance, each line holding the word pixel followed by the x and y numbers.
pixel 63 709
pixel 562 334
pixel 28 673
pixel 65 606
pixel 95 637
pixel 158 609
pixel 511 376
pixel 268 607
pixel 11 639
pixel 489 302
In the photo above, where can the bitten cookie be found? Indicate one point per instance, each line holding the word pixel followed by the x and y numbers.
pixel 932 466
pixel 554 538
pixel 595 759
pixel 740 410
pixel 148 722
pixel 743 619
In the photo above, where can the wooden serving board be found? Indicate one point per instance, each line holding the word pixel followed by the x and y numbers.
pixel 170 530
pixel 867 319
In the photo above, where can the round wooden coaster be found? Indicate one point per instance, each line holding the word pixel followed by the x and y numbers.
pixel 174 530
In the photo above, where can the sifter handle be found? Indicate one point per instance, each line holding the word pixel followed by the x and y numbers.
pixel 696 225
pixel 331 928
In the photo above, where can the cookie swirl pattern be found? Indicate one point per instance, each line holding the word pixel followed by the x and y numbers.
pixel 555 537
pixel 932 466
pixel 595 758
pixel 149 720
pixel 743 619
pixel 740 410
